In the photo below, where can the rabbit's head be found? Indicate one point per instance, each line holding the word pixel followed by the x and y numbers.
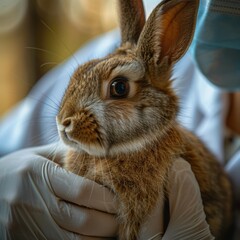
pixel 124 101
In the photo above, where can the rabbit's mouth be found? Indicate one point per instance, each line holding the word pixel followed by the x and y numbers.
pixel 94 148
pixel 66 138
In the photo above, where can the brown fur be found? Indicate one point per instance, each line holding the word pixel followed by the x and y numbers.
pixel 129 144
pixel 133 10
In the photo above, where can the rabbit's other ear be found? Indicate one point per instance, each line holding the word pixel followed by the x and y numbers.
pixel 166 36
pixel 132 20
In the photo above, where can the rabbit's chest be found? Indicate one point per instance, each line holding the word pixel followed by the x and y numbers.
pixel 138 176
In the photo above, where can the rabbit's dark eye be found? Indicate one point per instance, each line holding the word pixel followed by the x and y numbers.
pixel 119 87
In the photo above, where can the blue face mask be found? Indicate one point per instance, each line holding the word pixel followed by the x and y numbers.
pixel 216 45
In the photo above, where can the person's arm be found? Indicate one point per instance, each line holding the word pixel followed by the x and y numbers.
pixel 41 200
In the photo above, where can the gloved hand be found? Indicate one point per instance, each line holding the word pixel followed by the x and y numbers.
pixel 187 218
pixel 41 200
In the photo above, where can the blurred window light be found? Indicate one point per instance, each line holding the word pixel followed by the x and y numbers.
pixel 12 13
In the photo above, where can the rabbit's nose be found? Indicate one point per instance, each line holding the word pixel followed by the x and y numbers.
pixel 64 125
pixel 68 125
pixel 67 122
pixel 66 128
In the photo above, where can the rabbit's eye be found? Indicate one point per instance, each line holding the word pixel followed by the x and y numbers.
pixel 119 87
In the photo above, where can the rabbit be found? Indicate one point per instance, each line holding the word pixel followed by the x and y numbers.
pixel 118 119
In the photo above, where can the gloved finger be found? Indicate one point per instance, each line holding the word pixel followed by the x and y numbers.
pixel 54 152
pixel 152 227
pixel 84 221
pixel 74 236
pixel 81 191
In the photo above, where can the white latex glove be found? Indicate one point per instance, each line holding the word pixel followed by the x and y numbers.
pixel 40 200
pixel 187 217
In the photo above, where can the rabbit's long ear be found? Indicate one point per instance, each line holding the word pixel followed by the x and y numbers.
pixel 166 35
pixel 132 20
